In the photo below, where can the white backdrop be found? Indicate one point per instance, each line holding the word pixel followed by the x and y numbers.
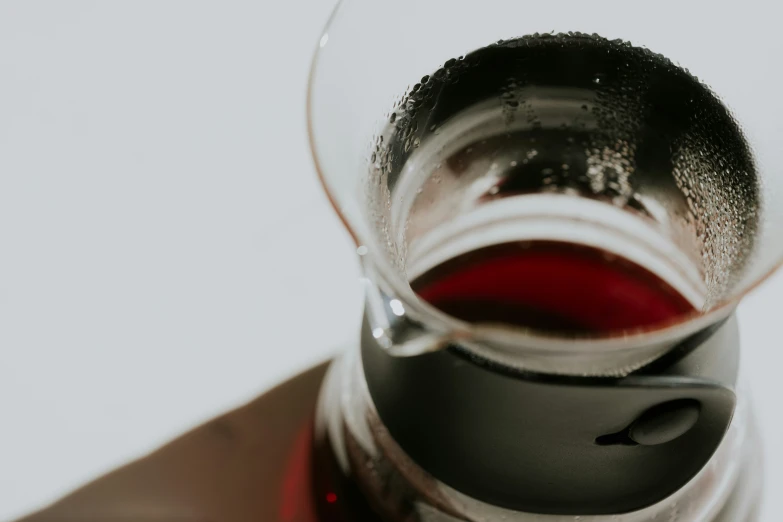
pixel 166 252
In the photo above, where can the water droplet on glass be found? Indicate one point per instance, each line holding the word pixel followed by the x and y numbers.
pixel 396 307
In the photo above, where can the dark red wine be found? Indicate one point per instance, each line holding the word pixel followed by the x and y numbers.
pixel 336 496
pixel 555 287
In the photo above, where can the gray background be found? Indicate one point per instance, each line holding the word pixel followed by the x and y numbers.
pixel 166 252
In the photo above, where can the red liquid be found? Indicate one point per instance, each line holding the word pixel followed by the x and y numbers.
pixel 553 287
pixel 336 496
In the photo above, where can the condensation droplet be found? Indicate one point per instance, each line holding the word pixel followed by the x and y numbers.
pixel 396 307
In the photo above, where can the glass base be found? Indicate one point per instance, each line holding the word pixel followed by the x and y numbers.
pixel 366 459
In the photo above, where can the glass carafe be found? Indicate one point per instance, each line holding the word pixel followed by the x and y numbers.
pixel 557 207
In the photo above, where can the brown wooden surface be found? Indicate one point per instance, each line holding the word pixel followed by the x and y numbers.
pixel 227 470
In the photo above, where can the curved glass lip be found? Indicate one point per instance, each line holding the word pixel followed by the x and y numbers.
pixel 526 339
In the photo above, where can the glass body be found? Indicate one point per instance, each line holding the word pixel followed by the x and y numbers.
pixel 646 133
